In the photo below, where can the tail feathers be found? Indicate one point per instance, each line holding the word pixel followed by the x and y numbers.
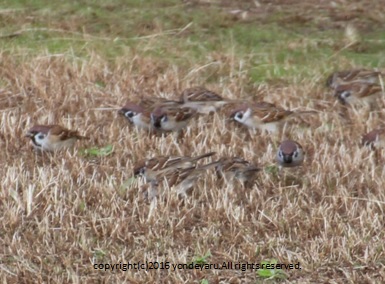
pixel 204 156
pixel 301 112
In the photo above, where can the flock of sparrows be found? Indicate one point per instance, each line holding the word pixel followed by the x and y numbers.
pixel 159 115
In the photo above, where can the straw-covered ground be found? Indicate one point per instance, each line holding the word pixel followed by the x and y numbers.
pixel 75 63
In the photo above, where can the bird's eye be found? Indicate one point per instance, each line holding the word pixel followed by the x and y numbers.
pixel 239 115
pixel 295 154
pixel 40 136
pixel 164 118
pixel 280 154
pixel 142 171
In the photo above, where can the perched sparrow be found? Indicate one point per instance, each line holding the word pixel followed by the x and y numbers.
pixel 161 163
pixel 290 154
pixel 171 118
pixel 236 168
pixel 201 100
pixel 262 115
pixel 52 137
pixel 354 75
pixel 374 139
pixel 139 114
pixel 355 93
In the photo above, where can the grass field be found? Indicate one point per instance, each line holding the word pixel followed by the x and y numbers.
pixel 74 63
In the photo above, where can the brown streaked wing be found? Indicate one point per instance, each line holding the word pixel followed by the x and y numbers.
pixel 184 114
pixel 269 112
pixel 150 103
pixel 369 89
pixel 64 133
pixel 199 94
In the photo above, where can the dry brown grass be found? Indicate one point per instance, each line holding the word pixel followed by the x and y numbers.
pixel 63 212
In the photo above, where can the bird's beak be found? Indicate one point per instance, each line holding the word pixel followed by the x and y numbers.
pixel 121 111
pixel 29 135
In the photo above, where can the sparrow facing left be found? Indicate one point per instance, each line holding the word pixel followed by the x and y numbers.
pixel 52 137
pixel 139 114
pixel 262 115
pixel 290 154
pixel 357 93
pixel 171 118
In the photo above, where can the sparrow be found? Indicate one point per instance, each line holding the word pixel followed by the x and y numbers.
pixel 139 113
pixel 161 163
pixel 290 154
pixel 201 100
pixel 374 139
pixel 52 137
pixel 262 115
pixel 182 179
pixel 357 92
pixel 354 75
pixel 235 168
pixel 168 119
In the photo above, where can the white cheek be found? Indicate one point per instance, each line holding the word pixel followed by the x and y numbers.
pixel 299 157
pixel 40 141
pixel 245 116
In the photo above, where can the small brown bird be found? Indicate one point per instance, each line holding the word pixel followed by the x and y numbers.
pixel 264 116
pixel 178 172
pixel 170 118
pixel 182 179
pixel 290 154
pixel 358 93
pixel 139 113
pixel 52 137
pixel 161 163
pixel 235 168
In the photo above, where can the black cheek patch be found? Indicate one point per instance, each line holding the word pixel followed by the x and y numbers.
pixel 33 138
pixel 157 123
